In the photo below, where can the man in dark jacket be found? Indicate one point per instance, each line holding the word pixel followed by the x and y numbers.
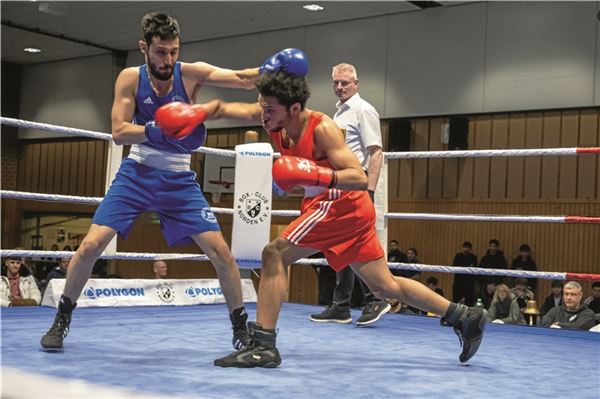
pixel 554 299
pixel 525 262
pixel 572 314
pixel 463 287
pixel 493 259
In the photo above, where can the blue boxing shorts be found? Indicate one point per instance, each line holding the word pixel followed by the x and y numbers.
pixel 174 195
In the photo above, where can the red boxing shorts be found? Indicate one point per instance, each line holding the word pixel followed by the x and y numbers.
pixel 340 224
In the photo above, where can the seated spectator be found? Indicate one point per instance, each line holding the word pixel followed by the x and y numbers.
pixel 573 314
pixel 394 254
pixel 60 271
pixel 488 294
pixel 525 262
pixel 99 269
pixel 504 308
pixel 17 289
pixel 522 292
pixel 463 285
pixel 160 269
pixel 593 302
pixel 554 299
pixel 411 257
pixel 432 283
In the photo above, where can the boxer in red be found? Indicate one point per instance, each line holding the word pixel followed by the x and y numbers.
pixel 337 217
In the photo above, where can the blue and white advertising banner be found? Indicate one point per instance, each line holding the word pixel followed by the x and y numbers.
pixel 138 292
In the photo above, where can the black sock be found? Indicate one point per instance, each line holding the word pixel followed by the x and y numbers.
pixel 65 305
pixel 238 317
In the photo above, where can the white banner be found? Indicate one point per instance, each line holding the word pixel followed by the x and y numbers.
pixel 252 203
pixel 138 292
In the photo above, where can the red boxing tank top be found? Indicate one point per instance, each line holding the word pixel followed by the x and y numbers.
pixel 305 146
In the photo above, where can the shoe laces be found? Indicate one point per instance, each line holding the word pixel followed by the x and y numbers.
pixel 60 325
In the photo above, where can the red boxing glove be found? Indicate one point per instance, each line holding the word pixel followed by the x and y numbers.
pixel 178 119
pixel 289 171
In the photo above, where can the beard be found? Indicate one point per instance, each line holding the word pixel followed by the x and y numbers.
pixel 158 74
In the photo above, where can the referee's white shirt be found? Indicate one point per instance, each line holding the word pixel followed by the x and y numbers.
pixel 361 122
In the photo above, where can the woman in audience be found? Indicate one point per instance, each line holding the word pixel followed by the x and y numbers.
pixel 504 308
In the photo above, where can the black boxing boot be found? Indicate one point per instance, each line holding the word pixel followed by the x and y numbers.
pixel 260 353
pixel 241 337
pixel 53 339
pixel 469 324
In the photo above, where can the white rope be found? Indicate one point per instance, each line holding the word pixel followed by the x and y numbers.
pixel 316 262
pixel 476 218
pixel 117 255
pixel 476 270
pixel 7 194
pixel 482 153
pixel 55 128
pixel 71 199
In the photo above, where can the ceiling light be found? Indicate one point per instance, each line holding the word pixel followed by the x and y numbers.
pixel 56 9
pixel 32 50
pixel 313 7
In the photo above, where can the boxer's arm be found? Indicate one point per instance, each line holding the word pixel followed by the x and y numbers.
pixel 123 131
pixel 217 109
pixel 210 75
pixel 330 140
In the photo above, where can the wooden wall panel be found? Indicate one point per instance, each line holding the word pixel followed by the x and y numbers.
pixel 586 165
pixel 550 165
pixel 533 139
pixel 498 166
pixel 481 175
pixel 466 168
pixel 435 172
pixel 419 171
pixel 516 165
pixel 568 165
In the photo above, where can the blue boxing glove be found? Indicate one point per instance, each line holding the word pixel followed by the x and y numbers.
pixel 290 60
pixel 153 132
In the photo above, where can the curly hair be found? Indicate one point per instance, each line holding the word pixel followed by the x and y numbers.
pixel 159 24
pixel 286 88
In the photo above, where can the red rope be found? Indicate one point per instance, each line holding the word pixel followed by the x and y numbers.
pixel 582 276
pixel 582 219
pixel 588 150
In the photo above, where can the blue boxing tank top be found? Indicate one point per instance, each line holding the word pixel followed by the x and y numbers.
pixel 146 104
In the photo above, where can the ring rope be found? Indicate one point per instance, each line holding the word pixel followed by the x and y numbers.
pixel 528 152
pixel 393 265
pixel 291 213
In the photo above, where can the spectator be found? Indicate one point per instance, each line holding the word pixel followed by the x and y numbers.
pixel 593 302
pixel 432 283
pixel 504 308
pixel 394 254
pixel 160 269
pixel 525 262
pixel 554 299
pixel 522 292
pixel 67 248
pixel 17 289
pixel 463 286
pixel 573 314
pixel 99 269
pixel 493 259
pixel 488 293
pixel 60 271
pixel 411 257
pixel 326 279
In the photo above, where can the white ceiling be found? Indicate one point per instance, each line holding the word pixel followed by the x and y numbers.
pixel 115 24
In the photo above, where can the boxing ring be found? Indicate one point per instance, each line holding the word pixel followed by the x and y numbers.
pixel 167 351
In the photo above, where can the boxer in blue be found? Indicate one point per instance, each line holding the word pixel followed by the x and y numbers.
pixel 156 175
